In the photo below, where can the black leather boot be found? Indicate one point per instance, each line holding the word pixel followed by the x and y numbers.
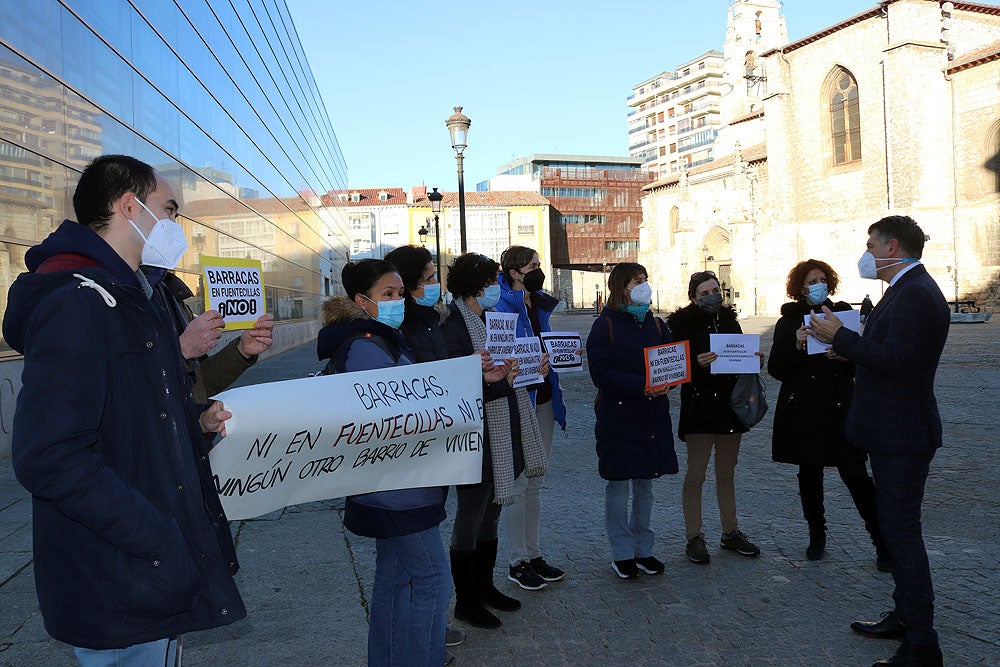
pixel 486 560
pixel 862 490
pixel 468 607
pixel 813 511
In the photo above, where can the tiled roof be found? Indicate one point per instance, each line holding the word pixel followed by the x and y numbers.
pixel 491 198
pixel 978 7
pixel 366 197
pixel 759 113
pixel 752 154
pixel 983 54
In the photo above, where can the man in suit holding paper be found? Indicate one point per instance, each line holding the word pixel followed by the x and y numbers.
pixel 894 417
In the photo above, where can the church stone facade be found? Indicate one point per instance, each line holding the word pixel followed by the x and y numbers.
pixel 893 111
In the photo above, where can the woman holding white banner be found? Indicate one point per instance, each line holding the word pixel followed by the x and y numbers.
pixel 635 444
pixel 707 420
pixel 410 595
pixel 511 444
pixel 816 391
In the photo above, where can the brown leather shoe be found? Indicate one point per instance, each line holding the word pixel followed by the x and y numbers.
pixel 890 627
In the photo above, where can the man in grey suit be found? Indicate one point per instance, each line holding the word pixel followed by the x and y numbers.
pixel 894 417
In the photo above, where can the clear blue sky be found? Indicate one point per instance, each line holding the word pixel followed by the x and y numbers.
pixel 535 76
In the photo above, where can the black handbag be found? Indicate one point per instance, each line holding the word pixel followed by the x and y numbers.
pixel 749 399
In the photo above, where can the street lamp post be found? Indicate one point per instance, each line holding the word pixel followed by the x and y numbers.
pixel 435 198
pixel 458 125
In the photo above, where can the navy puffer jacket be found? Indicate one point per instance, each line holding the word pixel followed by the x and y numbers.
pixel 634 439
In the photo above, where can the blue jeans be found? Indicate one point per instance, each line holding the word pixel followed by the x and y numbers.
pixel 631 537
pixel 409 601
pixel 159 653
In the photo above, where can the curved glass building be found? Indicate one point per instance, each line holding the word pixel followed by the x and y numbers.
pixel 216 95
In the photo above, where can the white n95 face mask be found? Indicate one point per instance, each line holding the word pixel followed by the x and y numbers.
pixel 166 243
pixel 868 269
pixel 642 294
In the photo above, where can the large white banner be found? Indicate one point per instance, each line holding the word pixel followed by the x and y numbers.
pixel 338 435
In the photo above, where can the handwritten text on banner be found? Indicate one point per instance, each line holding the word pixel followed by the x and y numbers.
pixel 337 435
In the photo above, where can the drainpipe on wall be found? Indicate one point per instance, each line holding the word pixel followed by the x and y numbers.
pixel 954 188
pixel 885 120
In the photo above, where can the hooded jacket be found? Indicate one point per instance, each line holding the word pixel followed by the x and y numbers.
pixel 512 301
pixel 130 540
pixel 705 401
pixel 356 342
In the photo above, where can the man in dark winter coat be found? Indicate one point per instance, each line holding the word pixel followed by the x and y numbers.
pixel 131 545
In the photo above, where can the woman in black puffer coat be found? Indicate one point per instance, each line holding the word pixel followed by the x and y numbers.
pixel 707 419
pixel 812 405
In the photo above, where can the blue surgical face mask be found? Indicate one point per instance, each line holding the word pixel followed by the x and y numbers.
pixel 817 293
pixel 432 292
pixel 490 297
pixel 390 313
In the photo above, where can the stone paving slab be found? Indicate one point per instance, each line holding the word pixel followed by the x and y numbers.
pixel 307 581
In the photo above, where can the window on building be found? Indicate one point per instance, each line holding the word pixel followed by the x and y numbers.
pixel 670 112
pixel 675 221
pixel 845 117
pixel 673 148
pixel 659 117
pixel 701 65
pixel 663 151
pixel 687 71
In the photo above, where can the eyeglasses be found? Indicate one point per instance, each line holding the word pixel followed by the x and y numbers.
pixel 706 274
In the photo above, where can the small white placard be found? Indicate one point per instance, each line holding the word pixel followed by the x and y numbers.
pixel 737 353
pixel 850 318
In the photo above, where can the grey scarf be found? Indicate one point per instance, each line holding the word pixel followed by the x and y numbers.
pixel 498 418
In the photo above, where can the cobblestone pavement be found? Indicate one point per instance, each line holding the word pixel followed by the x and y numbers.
pixel 307 581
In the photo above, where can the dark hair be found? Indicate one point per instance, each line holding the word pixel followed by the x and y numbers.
pixel 411 262
pixel 698 278
pixel 470 273
pixel 515 257
pixel 797 277
pixel 104 181
pixel 904 229
pixel 360 277
pixel 620 276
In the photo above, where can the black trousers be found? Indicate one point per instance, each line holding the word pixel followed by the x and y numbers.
pixel 476 517
pixel 899 489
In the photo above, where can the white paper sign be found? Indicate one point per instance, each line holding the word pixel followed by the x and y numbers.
pixel 349 433
pixel 563 347
pixel 501 335
pixel 528 352
pixel 736 353
pixel 851 320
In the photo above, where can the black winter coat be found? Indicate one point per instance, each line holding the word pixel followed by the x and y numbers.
pixel 705 406
pixel 634 439
pixel 814 397
pixel 422 332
